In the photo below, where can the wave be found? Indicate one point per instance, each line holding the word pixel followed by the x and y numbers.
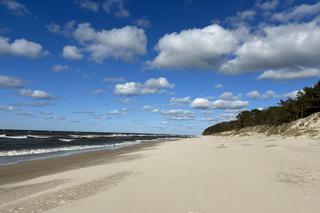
pixel 14 137
pixel 39 136
pixel 109 135
pixel 63 149
pixel 66 139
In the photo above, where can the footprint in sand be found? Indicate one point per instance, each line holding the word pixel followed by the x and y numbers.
pixel 269 146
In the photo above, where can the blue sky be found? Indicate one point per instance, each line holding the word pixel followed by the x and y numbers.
pixel 151 66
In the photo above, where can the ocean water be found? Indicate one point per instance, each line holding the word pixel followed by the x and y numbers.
pixel 23 145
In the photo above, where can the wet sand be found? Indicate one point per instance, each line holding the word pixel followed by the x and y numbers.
pixel 32 169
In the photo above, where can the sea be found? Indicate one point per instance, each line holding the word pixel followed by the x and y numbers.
pixel 25 145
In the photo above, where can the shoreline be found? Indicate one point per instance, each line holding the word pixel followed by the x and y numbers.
pixel 26 170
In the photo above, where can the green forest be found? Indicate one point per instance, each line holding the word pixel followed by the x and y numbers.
pixel 306 103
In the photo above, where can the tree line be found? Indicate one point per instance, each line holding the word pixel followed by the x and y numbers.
pixel 306 103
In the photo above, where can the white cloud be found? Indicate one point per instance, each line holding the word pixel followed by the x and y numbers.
pixel 143 22
pixel 244 48
pixel 113 114
pixel 28 114
pixel 194 48
pixel 292 94
pixel 149 108
pixel 115 7
pixel 15 7
pixel 34 104
pixel 298 12
pixel 180 101
pixel 8 108
pixel 65 30
pixel 172 114
pixel 59 68
pixel 228 96
pixel 217 86
pixel 241 17
pixel 158 83
pixel 290 74
pixel 21 47
pixel 203 103
pixel 268 5
pixel 227 104
pixel 178 114
pixel 278 47
pixel 257 95
pixel 39 94
pixel 120 43
pixel 151 86
pixel 9 82
pixel 116 112
pixel 89 5
pixel 71 52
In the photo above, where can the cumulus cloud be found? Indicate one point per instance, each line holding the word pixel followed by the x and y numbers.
pixel 290 74
pixel 124 43
pixel 228 96
pixel 89 5
pixel 59 68
pixel 151 86
pixel 201 103
pixel 292 95
pixel 21 47
pixel 15 7
pixel 120 43
pixel 245 47
pixel 278 47
pixel 115 7
pixel 227 104
pixel 71 52
pixel 257 95
pixel 10 82
pixel 194 48
pixel 298 12
pixel 204 103
pixel 39 94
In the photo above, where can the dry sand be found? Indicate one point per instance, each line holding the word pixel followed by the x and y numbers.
pixel 203 175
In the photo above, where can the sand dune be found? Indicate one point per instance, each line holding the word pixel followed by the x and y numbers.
pixel 203 175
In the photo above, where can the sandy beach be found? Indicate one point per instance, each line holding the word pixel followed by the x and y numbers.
pixel 198 175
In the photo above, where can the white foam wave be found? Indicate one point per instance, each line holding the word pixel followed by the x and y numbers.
pixel 40 136
pixel 14 137
pixel 62 149
pixel 66 139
